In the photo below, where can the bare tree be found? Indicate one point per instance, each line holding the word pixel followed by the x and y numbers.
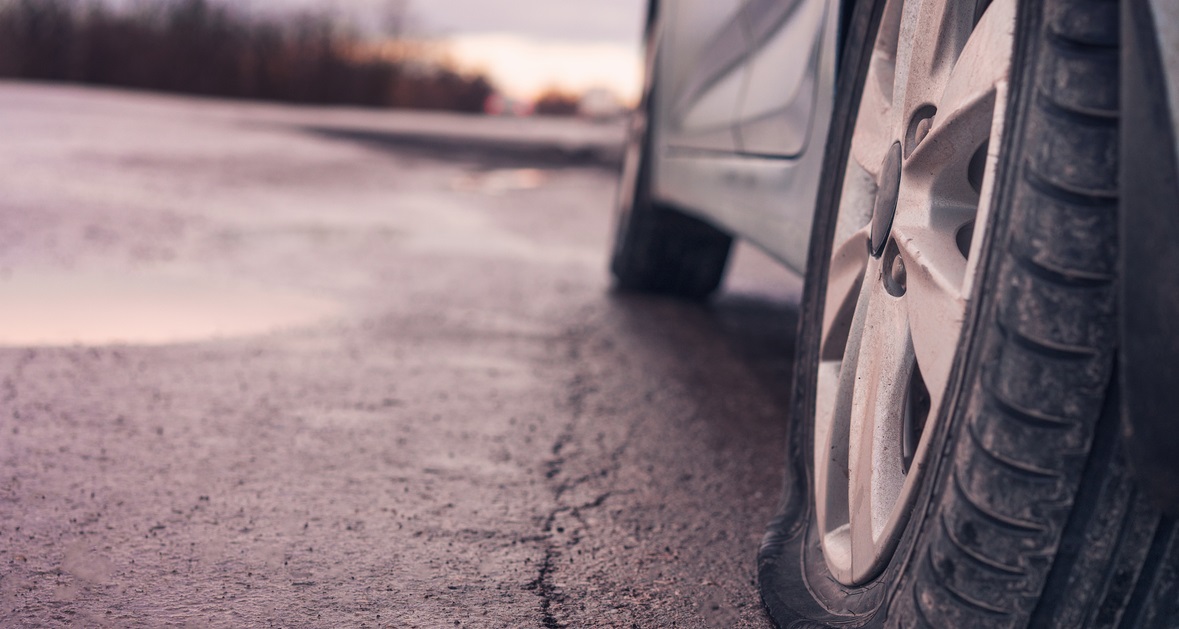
pixel 212 47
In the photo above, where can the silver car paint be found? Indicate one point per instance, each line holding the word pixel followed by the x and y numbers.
pixel 760 183
pixel 701 72
pixel 779 100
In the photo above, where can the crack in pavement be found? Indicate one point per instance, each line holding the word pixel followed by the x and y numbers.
pixel 567 449
pixel 548 592
pixel 578 389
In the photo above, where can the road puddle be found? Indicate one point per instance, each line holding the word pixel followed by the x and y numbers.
pixel 92 308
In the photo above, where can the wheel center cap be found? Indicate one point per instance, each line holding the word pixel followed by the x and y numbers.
pixel 886 199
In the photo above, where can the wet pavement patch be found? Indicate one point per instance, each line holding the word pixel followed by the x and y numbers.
pixel 144 308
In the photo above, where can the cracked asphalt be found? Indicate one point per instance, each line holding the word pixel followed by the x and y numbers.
pixel 411 398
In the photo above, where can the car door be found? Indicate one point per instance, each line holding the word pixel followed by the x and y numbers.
pixel 778 103
pixel 702 72
pixel 743 95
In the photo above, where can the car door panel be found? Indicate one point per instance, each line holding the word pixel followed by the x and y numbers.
pixel 703 47
pixel 764 189
pixel 778 103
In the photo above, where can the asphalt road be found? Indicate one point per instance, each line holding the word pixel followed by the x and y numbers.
pixel 256 373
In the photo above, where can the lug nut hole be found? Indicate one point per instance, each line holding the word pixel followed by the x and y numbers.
pixel 919 126
pixel 895 274
pixel 977 167
pixel 917 407
pixel 963 238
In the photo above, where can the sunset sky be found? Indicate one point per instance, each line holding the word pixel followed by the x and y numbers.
pixel 525 46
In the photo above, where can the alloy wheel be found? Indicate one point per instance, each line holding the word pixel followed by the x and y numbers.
pixel 913 209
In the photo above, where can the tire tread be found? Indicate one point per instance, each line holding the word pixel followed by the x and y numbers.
pixel 1032 483
pixel 990 562
pixel 666 251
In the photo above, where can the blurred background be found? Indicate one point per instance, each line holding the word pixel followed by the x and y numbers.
pixel 554 57
pixel 292 333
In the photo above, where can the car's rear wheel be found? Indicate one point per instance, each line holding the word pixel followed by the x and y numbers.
pixel 957 339
pixel 657 247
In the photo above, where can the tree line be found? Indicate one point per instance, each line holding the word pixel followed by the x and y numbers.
pixel 206 47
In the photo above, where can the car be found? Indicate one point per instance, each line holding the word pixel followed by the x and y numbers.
pixel 982 431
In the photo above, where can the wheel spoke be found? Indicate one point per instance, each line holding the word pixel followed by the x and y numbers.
pixel 830 446
pixel 939 164
pixel 934 269
pixel 834 401
pixel 938 198
pixel 932 33
pixel 937 174
pixel 843 290
pixel 984 62
pixel 874 132
pixel 881 381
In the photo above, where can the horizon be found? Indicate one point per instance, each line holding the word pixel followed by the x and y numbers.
pixel 526 48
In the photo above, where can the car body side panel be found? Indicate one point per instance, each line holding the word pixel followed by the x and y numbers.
pixel 779 98
pixel 767 200
pixel 701 73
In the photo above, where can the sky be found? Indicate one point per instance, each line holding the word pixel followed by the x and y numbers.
pixel 525 46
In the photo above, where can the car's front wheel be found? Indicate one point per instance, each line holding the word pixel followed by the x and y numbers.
pixel 954 456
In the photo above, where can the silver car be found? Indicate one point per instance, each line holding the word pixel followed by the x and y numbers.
pixel 985 424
